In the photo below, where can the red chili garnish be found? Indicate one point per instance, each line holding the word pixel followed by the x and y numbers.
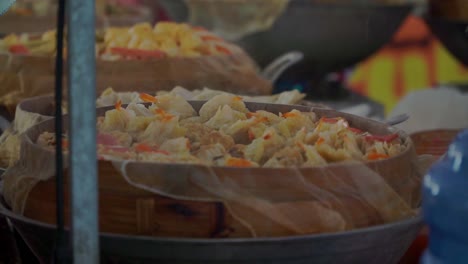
pixel 267 137
pixel 18 49
pixel 387 138
pixel 329 120
pixel 377 156
pixel 138 53
pixel 144 148
pixel 355 130
pixel 224 50
pixel 211 38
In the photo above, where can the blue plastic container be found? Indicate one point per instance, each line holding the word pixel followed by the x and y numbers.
pixel 445 206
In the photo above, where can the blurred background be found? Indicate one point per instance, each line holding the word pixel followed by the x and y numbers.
pixel 375 51
pixel 374 58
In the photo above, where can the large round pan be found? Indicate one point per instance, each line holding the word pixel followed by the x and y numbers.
pixel 384 244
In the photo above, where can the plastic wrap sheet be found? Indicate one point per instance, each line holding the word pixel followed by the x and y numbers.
pixel 235 19
pixel 27 115
pixel 27 76
pixel 44 18
pixel 266 201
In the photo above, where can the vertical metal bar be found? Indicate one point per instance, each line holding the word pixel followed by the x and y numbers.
pixel 82 130
pixel 61 243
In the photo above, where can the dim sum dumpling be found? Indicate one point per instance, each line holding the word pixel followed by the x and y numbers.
pixel 225 117
pixel 209 109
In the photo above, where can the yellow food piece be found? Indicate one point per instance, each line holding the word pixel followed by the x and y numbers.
pixel 174 39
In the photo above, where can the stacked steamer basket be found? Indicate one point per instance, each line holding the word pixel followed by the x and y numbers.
pixel 215 64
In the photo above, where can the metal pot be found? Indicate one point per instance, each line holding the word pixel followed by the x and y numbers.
pixel 331 36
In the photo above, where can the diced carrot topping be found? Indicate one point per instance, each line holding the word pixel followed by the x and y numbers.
pixel 377 156
pixel 290 114
pixel 236 162
pixel 148 98
pixel 18 49
pixel 251 114
pixel 320 141
pixel 167 118
pixel 118 105
pixel 387 138
pixel 160 111
pixel 267 137
pixel 237 98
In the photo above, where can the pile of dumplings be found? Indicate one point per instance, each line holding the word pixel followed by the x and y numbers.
pixel 141 41
pixel 225 133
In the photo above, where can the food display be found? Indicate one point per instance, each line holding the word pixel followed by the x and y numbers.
pixel 142 58
pixel 225 133
pixel 110 97
pixel 141 41
pixel 241 169
pixel 35 110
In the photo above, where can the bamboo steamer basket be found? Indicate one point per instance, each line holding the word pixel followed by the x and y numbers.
pixel 23 76
pixel 124 209
pixel 434 142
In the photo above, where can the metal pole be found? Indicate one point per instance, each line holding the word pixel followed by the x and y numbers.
pixel 61 255
pixel 82 130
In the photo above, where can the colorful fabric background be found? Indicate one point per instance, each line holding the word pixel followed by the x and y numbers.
pixel 414 60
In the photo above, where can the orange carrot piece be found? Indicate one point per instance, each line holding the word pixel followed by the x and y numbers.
pixel 148 98
pixel 118 105
pixel 290 114
pixel 236 162
pixel 320 141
